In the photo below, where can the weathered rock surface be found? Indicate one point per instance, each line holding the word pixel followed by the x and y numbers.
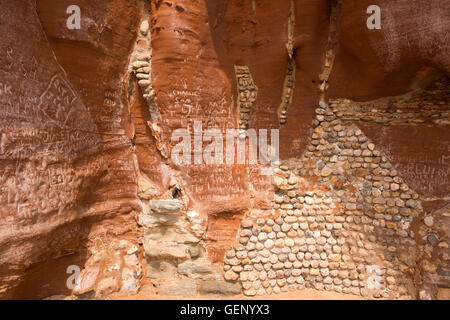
pixel 219 288
pixel 186 288
pixel 166 206
pixel 62 132
pixel 87 122
pixel 198 270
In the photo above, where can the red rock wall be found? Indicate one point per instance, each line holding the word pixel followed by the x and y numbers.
pixel 66 154
pixel 87 119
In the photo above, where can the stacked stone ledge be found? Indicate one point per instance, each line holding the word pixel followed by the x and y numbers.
pixel 141 67
pixel 114 268
pixel 288 91
pixel 434 233
pixel 176 261
pixel 247 93
pixel 423 107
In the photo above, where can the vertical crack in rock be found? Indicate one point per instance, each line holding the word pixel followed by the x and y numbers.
pixel 289 81
pixel 330 51
pixel 291 27
pixel 175 255
pixel 247 93
pixel 288 91
pixel 141 70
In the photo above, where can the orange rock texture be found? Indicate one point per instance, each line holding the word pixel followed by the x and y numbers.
pixel 93 201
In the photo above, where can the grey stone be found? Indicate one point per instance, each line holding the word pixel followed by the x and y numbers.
pixel 199 270
pixel 130 282
pixel 429 221
pixel 230 254
pixel 219 288
pixel 160 250
pixel 160 269
pixel 151 221
pixel 187 288
pixel 432 239
pixel 90 295
pixel 56 297
pixel 166 206
pixel 194 252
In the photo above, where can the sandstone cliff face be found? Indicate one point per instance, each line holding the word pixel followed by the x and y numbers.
pixel 87 124
pixel 68 177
